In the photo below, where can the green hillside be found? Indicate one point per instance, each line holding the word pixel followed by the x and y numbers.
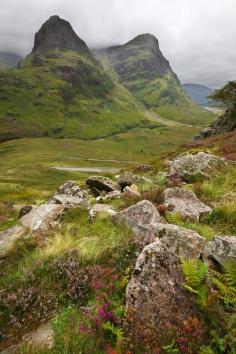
pixel 143 69
pixel 64 94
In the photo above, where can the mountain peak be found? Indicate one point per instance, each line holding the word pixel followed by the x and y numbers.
pixel 146 38
pixel 57 34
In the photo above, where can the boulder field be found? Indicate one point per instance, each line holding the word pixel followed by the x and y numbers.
pixel 155 298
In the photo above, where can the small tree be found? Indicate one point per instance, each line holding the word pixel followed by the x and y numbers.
pixel 226 95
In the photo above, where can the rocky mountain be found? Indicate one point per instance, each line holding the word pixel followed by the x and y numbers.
pixel 61 90
pixel 198 93
pixel 58 34
pixel 144 70
pixel 8 60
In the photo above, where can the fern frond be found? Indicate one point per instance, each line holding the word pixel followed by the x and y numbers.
pixel 195 272
pixel 230 272
pixel 117 332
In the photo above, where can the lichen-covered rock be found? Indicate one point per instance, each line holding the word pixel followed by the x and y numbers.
pixel 126 179
pixel 221 248
pixel 100 184
pixel 70 195
pixel 8 239
pixel 141 217
pixel 131 191
pixel 70 201
pixel 43 218
pixel 156 301
pixel 100 209
pixel 71 188
pixel 200 165
pixel 183 242
pixel 184 202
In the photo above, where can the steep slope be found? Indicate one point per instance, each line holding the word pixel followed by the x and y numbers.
pixel 224 124
pixel 198 93
pixel 226 97
pixel 143 69
pixel 61 90
pixel 8 60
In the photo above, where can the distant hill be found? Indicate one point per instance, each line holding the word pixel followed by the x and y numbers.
pixel 199 93
pixel 8 60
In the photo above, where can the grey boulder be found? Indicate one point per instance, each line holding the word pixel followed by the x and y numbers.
pixel 200 165
pixel 70 195
pixel 141 217
pixel 221 248
pixel 99 209
pixel 100 184
pixel 183 242
pixel 184 202
pixel 155 298
pixel 43 218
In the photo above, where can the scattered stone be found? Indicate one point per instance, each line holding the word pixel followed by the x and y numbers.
pixel 155 298
pixel 25 210
pixel 183 242
pixel 141 217
pixel 71 188
pixel 70 201
pixel 43 218
pixel 109 196
pixel 100 184
pixel 196 166
pixel 70 195
pixel 8 239
pixel 131 191
pixel 100 209
pixel 221 248
pixel 184 202
pixel 126 180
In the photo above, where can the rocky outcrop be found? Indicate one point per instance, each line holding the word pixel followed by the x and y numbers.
pixel 180 241
pixel 156 301
pixel 200 165
pixel 8 239
pixel 224 124
pixel 141 217
pixel 185 203
pixel 43 218
pixel 99 184
pixel 57 34
pixel 70 195
pixel 153 63
pixel 99 209
pixel 221 248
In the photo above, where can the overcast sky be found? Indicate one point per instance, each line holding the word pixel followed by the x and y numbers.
pixel 197 36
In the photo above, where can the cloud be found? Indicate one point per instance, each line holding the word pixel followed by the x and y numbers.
pixel 196 36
